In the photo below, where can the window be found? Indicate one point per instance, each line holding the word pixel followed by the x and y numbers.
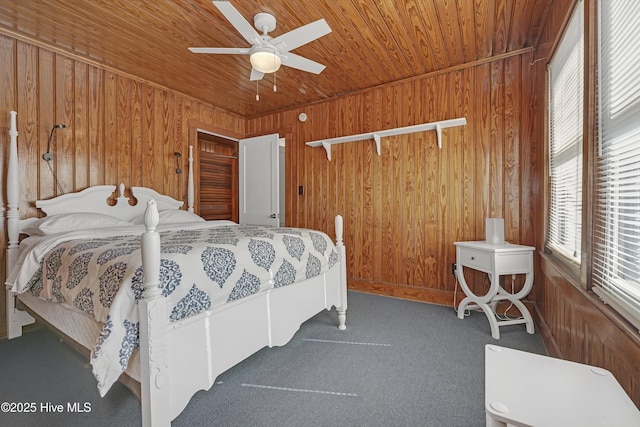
pixel 616 244
pixel 566 82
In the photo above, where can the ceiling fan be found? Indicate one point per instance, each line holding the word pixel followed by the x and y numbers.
pixel 266 53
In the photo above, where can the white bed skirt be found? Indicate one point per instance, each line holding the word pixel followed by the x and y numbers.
pixel 74 324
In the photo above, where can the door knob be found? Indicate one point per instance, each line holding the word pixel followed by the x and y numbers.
pixel 273 216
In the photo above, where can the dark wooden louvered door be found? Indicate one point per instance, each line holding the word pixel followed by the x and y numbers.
pixel 218 178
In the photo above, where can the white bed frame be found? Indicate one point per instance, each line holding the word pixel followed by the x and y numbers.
pixel 180 358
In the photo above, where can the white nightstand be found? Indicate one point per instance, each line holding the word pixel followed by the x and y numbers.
pixel 495 260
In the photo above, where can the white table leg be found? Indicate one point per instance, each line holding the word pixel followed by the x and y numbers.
pixel 493 322
pixel 475 301
pixel 525 313
pixel 515 299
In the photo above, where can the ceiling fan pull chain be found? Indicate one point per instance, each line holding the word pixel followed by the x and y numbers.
pixel 275 88
pixel 257 91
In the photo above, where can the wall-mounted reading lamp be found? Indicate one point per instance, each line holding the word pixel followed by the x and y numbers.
pixel 178 170
pixel 48 156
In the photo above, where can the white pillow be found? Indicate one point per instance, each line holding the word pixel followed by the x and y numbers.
pixel 173 216
pixel 73 221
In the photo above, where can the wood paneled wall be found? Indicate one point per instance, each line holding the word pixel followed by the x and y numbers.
pixel 118 128
pixel 404 209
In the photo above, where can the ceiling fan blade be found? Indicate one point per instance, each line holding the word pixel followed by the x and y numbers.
pixel 296 61
pixel 256 75
pixel 301 35
pixel 238 21
pixel 221 50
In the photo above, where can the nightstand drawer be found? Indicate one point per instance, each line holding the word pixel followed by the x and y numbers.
pixel 513 263
pixel 476 259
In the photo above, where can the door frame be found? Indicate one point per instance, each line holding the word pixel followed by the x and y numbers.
pixel 196 126
pixel 290 172
pixel 291 162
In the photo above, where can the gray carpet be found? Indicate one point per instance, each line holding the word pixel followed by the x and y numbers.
pixel 399 363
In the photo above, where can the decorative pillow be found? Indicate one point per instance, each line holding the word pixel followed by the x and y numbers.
pixel 73 221
pixel 173 216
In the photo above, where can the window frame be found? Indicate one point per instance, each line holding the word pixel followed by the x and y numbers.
pixel 620 310
pixel 576 271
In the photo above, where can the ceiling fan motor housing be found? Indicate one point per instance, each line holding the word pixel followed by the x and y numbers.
pixel 264 22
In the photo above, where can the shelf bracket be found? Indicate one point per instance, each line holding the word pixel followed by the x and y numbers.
pixel 439 135
pixel 376 138
pixel 327 148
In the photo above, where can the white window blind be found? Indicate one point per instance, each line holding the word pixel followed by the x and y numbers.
pixel 616 250
pixel 566 82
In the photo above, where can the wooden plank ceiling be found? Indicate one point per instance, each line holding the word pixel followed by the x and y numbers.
pixel 372 42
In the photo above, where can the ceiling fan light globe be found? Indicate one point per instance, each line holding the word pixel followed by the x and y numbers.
pixel 265 61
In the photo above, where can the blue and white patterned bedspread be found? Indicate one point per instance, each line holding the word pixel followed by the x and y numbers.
pixel 201 267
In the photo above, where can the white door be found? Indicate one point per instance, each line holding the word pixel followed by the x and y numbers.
pixel 258 170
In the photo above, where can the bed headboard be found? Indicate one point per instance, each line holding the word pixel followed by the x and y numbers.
pixel 94 200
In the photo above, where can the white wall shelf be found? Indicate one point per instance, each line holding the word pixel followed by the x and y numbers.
pixel 376 136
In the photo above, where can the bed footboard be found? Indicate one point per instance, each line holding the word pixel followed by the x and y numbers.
pixel 178 359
